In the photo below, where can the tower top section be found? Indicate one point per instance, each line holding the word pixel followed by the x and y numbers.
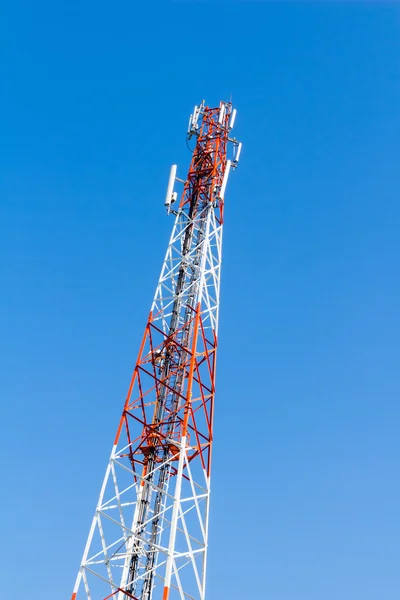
pixel 216 152
pixel 212 122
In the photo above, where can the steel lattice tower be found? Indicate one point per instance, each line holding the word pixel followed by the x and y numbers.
pixel 148 538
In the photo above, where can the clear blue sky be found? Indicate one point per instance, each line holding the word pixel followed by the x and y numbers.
pixel 94 100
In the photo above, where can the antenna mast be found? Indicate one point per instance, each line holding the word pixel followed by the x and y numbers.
pixel 149 534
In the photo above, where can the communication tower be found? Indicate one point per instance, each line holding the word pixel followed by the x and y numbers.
pixel 149 535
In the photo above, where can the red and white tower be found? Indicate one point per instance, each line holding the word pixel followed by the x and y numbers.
pixel 149 535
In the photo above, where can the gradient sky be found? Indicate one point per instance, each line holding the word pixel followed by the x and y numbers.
pixel 95 98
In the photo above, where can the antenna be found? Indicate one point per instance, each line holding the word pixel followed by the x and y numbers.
pixel 225 179
pixel 221 114
pixel 237 151
pixel 233 117
pixel 170 188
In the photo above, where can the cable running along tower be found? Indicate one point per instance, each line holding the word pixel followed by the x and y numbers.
pixel 148 538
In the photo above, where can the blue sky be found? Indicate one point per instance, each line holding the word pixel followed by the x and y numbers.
pixel 95 100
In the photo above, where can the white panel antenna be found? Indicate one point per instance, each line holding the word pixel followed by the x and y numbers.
pixel 233 117
pixel 238 150
pixel 225 179
pixel 170 189
pixel 221 114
